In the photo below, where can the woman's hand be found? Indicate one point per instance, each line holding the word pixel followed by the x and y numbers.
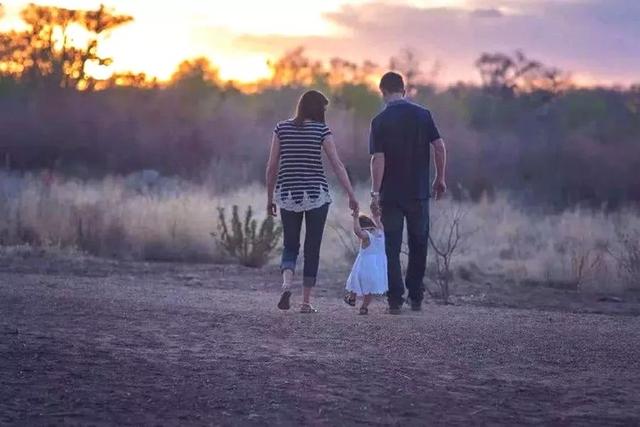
pixel 272 209
pixel 355 212
pixel 354 205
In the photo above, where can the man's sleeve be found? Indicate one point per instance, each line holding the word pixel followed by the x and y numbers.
pixel 375 139
pixel 432 131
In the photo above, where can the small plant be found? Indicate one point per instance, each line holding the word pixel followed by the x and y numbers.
pixel 586 261
pixel 627 256
pixel 445 242
pixel 242 240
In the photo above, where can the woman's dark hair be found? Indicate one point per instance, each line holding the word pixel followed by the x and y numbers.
pixel 366 222
pixel 392 83
pixel 311 106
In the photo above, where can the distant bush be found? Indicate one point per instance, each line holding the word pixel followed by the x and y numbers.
pixel 242 240
pixel 628 257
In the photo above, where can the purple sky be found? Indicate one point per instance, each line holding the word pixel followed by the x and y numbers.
pixel 595 40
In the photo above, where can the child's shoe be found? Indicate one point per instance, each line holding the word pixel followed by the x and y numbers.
pixel 350 299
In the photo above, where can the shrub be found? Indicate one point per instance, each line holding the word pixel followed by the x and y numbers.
pixel 445 238
pixel 243 242
pixel 628 257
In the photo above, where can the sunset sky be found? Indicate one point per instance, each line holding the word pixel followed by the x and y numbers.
pixel 597 40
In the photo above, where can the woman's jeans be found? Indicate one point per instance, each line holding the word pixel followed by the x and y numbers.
pixel 314 221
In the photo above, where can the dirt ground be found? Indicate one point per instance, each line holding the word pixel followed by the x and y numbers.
pixel 90 342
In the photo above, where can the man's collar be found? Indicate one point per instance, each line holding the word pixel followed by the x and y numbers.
pixel 396 102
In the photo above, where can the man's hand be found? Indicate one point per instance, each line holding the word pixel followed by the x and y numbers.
pixel 439 188
pixel 272 209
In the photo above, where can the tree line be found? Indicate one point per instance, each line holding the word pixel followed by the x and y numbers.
pixel 525 129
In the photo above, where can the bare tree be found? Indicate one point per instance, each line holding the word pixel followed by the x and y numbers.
pixel 445 239
pixel 505 75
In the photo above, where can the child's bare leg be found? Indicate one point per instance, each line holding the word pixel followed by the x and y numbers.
pixel 366 300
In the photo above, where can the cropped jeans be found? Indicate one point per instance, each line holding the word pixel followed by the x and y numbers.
pixel 314 221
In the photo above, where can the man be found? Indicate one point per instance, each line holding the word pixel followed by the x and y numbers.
pixel 399 144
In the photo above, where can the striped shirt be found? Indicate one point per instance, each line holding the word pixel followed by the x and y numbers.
pixel 302 184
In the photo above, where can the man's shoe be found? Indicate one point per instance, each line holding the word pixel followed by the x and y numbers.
pixel 416 305
pixel 395 310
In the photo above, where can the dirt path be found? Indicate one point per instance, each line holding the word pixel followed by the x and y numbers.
pixel 142 344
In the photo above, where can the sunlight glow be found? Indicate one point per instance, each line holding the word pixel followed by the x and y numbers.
pixel 165 33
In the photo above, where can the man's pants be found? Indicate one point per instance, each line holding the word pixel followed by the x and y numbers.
pixel 416 212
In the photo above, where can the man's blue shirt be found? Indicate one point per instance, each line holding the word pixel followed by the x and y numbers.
pixel 403 131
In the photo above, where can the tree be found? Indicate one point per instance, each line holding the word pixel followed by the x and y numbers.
pixel 504 75
pixel 45 54
pixel 196 74
pixel 296 69
pixel 127 79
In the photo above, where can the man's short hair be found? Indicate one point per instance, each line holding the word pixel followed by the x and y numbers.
pixel 392 83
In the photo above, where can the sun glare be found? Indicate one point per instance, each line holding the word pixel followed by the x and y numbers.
pixel 165 33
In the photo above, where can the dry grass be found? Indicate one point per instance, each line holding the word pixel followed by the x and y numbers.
pixel 172 221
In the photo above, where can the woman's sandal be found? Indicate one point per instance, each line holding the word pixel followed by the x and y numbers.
pixel 307 308
pixel 364 311
pixel 350 300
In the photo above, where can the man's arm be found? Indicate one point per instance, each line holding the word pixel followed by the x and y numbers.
pixel 440 161
pixel 376 149
pixel 377 172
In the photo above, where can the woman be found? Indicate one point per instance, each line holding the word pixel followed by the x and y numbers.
pixel 296 182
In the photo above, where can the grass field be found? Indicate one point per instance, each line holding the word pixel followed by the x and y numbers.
pixel 160 219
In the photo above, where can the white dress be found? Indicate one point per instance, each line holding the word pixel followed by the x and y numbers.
pixel 369 272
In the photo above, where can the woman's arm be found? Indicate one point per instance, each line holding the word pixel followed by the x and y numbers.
pixel 272 173
pixel 340 171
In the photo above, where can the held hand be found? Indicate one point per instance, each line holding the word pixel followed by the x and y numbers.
pixel 375 206
pixel 354 206
pixel 439 188
pixel 272 209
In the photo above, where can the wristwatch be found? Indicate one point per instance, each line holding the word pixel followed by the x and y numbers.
pixel 375 194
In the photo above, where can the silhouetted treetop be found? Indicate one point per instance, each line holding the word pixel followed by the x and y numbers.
pixel 196 73
pixel 46 54
pixel 506 75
